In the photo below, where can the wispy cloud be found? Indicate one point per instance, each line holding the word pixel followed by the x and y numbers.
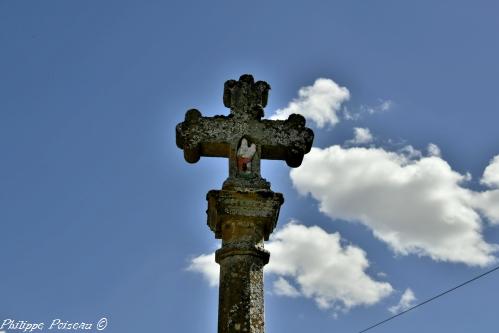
pixel 434 150
pixel 361 136
pixel 383 105
pixel 205 264
pixel 406 301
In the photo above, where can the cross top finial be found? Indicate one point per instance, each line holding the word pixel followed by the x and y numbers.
pixel 246 98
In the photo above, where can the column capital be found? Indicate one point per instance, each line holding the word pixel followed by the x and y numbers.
pixel 252 210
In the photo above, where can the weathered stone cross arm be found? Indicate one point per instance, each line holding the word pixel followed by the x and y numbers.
pixel 217 136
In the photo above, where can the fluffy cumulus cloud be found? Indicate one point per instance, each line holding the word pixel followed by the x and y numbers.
pixel 361 136
pixel 320 103
pixel 332 274
pixel 416 205
pixel 406 301
pixel 312 263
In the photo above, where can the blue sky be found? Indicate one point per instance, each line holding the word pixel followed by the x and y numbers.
pixel 101 217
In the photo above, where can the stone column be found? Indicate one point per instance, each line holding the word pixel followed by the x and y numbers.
pixel 245 211
pixel 243 220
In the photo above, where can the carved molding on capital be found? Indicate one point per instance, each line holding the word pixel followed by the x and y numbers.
pixel 254 251
pixel 256 210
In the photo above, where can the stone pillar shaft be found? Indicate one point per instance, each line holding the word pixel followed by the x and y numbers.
pixel 241 306
pixel 243 220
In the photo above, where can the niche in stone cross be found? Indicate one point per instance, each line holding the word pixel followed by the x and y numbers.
pixel 245 154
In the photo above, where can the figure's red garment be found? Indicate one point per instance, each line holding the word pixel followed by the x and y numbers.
pixel 242 163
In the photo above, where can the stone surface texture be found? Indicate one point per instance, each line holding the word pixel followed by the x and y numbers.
pixel 245 211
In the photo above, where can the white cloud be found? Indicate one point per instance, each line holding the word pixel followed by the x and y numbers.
pixel 321 268
pixel 382 106
pixel 320 103
pixel 349 115
pixel 410 152
pixel 282 287
pixel 331 274
pixel 385 105
pixel 406 301
pixel 415 205
pixel 206 265
pixel 487 202
pixel 434 150
pixel 361 136
pixel 491 174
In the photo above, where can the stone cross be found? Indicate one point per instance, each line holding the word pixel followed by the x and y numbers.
pixel 244 212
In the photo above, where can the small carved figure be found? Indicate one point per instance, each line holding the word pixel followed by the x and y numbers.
pixel 245 156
